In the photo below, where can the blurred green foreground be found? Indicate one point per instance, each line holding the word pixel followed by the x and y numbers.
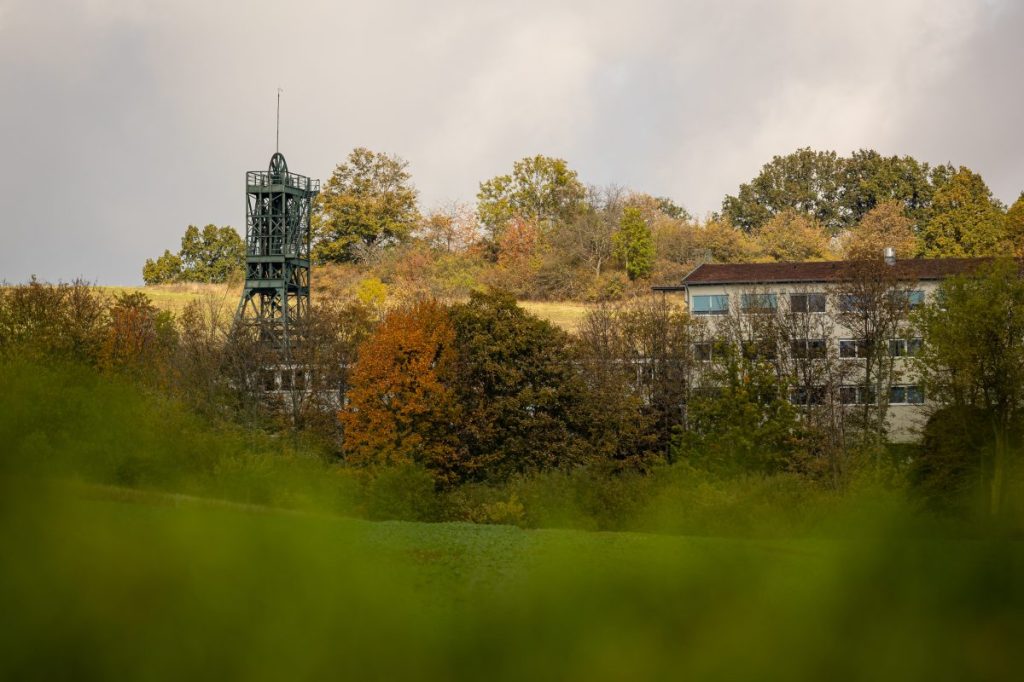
pixel 101 578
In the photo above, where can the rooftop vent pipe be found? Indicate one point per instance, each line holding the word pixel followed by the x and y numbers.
pixel 890 255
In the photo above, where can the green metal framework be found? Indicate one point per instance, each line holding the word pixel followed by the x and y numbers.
pixel 278 209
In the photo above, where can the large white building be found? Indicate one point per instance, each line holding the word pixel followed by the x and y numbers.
pixel 826 323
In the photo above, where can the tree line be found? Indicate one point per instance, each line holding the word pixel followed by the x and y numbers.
pixel 540 232
pixel 481 392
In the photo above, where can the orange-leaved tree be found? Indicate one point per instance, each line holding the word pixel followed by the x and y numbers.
pixel 399 408
pixel 139 337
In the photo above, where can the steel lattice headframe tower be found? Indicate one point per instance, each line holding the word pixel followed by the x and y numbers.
pixel 278 208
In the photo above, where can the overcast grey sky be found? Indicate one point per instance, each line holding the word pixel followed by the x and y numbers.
pixel 122 121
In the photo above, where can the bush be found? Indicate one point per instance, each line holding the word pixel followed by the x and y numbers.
pixel 404 492
pixel 946 473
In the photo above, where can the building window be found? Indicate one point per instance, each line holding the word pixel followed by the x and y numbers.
pixel 906 395
pixel 807 303
pixel 856 395
pixel 854 348
pixel 807 395
pixel 710 305
pixel 702 352
pixel 758 303
pixel 804 349
pixel 911 299
pixel 268 379
pixel 851 303
pixel 902 348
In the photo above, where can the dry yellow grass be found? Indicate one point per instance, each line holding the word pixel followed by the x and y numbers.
pixel 565 314
pixel 174 297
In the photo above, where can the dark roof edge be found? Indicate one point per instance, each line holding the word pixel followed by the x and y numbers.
pixel 802 281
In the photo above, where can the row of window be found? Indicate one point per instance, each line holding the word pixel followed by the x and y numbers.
pixel 861 348
pixel 807 349
pixel 858 395
pixel 718 304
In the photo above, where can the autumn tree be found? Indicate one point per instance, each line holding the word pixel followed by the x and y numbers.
pixel 634 245
pixel 540 189
pixel 450 229
pixel 637 357
pixel 587 238
pixel 519 251
pixel 1015 225
pixel 652 208
pixel 792 236
pixel 139 337
pixel 719 241
pixel 369 202
pixel 321 366
pixel 66 321
pixel 401 408
pixel 884 225
pixel 967 221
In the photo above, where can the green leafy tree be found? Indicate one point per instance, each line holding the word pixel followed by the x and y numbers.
pixel 869 179
pixel 973 361
pixel 966 220
pixel 805 181
pixel 369 202
pixel 634 245
pixel 163 270
pixel 836 191
pixel 211 254
pixel 540 189
pixel 746 423
pixel 524 406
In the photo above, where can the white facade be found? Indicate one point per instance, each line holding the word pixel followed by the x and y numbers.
pixel 815 308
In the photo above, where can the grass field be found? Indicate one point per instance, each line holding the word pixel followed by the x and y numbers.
pixel 101 585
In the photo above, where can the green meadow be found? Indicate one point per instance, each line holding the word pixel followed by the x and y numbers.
pixel 141 542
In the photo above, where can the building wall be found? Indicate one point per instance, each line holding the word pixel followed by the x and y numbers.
pixel 905 420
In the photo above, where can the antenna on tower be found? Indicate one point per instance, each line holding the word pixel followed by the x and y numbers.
pixel 277 135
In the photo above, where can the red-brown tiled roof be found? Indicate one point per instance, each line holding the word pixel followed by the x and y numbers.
pixel 825 271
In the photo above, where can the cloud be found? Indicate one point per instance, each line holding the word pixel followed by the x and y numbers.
pixel 125 121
